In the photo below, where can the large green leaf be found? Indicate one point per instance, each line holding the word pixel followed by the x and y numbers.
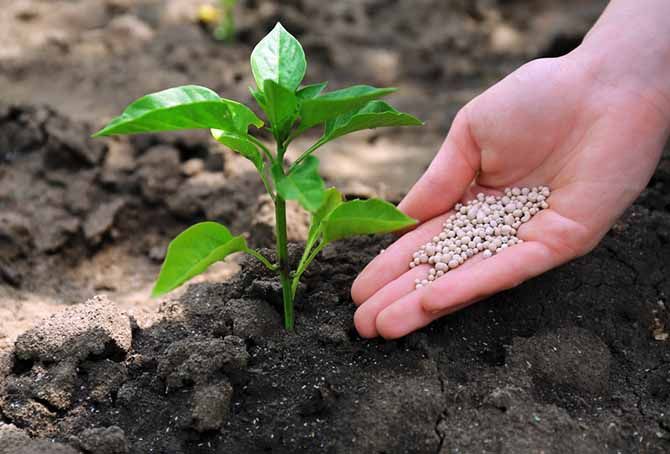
pixel 278 57
pixel 186 107
pixel 241 144
pixel 364 217
pixel 303 184
pixel 311 91
pixel 335 103
pixel 281 106
pixel 193 251
pixel 374 114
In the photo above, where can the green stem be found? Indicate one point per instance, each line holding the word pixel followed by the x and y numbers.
pixel 308 152
pixel 282 252
pixel 284 266
pixel 263 148
pixel 303 266
pixel 262 259
pixel 261 172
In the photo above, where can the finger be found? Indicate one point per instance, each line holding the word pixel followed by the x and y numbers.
pixel 366 314
pixel 504 270
pixel 547 244
pixel 405 316
pixel 365 318
pixel 453 291
pixel 448 176
pixel 394 261
pixel 541 251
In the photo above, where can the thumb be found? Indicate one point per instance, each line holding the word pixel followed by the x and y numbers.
pixel 448 176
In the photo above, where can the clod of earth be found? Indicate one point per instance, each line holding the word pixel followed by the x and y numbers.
pixel 487 224
pixel 93 329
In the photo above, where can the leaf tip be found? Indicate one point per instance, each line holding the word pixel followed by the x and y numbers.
pixel 101 133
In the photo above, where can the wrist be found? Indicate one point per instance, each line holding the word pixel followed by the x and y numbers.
pixel 628 49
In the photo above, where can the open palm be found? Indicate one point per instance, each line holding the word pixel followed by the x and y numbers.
pixel 549 123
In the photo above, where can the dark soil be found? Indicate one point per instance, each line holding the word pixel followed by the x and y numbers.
pixel 564 363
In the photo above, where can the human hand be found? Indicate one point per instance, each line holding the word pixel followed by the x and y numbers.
pixel 554 122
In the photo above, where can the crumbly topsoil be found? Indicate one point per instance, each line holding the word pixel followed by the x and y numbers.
pixel 565 363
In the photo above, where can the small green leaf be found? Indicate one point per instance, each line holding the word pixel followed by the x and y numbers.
pixel 281 108
pixel 330 105
pixel 311 91
pixel 186 107
pixel 331 200
pixel 278 57
pixel 241 144
pixel 193 251
pixel 364 217
pixel 374 114
pixel 303 184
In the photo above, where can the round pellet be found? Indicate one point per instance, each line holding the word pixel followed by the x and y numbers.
pixel 486 224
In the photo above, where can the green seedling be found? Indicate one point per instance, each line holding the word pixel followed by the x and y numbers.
pixel 225 30
pixel 278 64
pixel 222 17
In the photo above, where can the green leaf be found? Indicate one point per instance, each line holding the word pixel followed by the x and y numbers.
pixel 331 200
pixel 278 57
pixel 335 103
pixel 186 107
pixel 259 97
pixel 193 251
pixel 303 184
pixel 281 108
pixel 241 144
pixel 364 217
pixel 311 91
pixel 374 114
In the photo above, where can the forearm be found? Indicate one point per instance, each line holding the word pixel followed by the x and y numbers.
pixel 629 48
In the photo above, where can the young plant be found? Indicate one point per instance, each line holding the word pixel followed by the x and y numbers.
pixel 222 17
pixel 278 65
pixel 225 30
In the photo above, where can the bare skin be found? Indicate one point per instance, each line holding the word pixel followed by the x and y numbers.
pixel 591 125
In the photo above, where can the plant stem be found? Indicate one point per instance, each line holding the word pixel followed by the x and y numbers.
pixel 261 172
pixel 304 263
pixel 263 148
pixel 308 152
pixel 261 259
pixel 284 266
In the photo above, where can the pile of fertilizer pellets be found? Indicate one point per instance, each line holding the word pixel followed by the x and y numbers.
pixel 487 225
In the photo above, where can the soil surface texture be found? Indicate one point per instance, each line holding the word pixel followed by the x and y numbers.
pixel 565 363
